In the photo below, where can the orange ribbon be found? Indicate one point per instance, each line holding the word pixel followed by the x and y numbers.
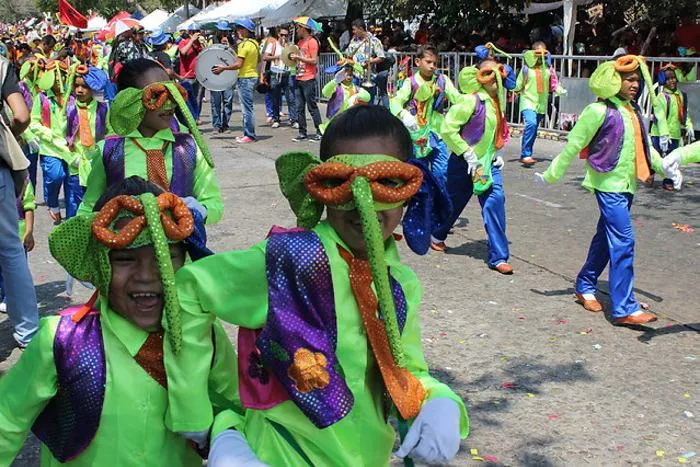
pixel 84 130
pixel 404 388
pixel 500 132
pixel 640 161
pixel 155 165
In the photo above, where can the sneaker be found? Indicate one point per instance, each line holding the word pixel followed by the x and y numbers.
pixel 244 140
pixel 268 120
pixel 3 307
pixel 298 138
pixel 276 125
pixel 315 138
pixel 220 129
pixel 294 125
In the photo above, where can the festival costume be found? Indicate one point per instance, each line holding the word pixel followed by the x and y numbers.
pixel 177 162
pixel 91 385
pixel 534 84
pixel 482 52
pixel 477 124
pixel 340 98
pixel 312 386
pixel 682 156
pixel 611 137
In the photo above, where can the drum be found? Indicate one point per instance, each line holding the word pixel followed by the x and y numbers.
pixel 217 54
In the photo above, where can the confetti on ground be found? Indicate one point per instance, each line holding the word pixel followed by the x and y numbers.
pixel 552 417
pixel 689 454
pixel 586 332
pixel 474 452
pixel 521 318
pixel 688 413
pixel 530 395
pixel 597 346
pixel 660 453
pixel 690 358
pixel 686 395
pixel 619 448
pixel 443 334
pixel 490 458
pixel 685 228
pixel 508 385
pixel 562 321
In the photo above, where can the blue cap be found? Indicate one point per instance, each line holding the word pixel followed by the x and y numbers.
pixel 96 79
pixel 222 25
pixel 245 23
pixel 194 27
pixel 158 37
pixel 481 52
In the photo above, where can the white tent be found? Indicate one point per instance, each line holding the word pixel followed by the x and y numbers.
pixel 197 18
pixel 236 9
pixel 154 19
pixel 313 8
pixel 169 25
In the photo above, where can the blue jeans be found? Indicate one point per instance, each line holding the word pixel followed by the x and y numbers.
pixel 382 88
pixel 290 94
pixel 246 86
pixel 74 195
pixel 221 108
pixel 33 161
pixel 306 97
pixel 269 112
pixel 275 94
pixel 56 173
pixel 21 296
pixel 673 144
pixel 532 121
pixel 613 242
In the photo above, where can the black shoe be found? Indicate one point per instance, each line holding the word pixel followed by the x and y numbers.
pixel 315 138
pixel 221 129
pixel 298 138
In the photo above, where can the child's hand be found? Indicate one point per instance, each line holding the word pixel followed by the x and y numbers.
pixel 28 241
pixel 434 436
pixel 229 448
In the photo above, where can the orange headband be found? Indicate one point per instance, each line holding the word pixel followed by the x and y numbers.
pixel 155 95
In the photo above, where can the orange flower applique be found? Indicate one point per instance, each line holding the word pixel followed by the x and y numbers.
pixel 309 370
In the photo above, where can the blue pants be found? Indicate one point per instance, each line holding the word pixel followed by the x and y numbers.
pixel 74 195
pixel 613 242
pixel 56 173
pixel 493 207
pixel 221 108
pixel 290 90
pixel 532 121
pixel 21 296
pixel 439 158
pixel 246 87
pixel 673 144
pixel 268 105
pixel 33 161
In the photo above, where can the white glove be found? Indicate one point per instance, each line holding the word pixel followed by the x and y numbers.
pixel 33 146
pixel 498 160
pixel 677 178
pixel 339 76
pixel 671 164
pixel 434 435
pixel 539 180
pixel 409 120
pixel 230 449
pixel 663 143
pixel 195 205
pixel 353 99
pixel 472 161
pixel 689 136
pixel 76 163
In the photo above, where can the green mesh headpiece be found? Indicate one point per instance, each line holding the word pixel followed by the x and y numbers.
pixel 469 81
pixel 367 183
pixel 129 106
pixel 605 82
pixel 80 244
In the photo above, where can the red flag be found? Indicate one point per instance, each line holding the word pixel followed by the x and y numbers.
pixel 70 16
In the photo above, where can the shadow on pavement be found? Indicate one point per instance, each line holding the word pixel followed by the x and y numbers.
pixel 650 333
pixel 478 249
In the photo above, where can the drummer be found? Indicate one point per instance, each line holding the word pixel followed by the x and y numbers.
pixel 367 50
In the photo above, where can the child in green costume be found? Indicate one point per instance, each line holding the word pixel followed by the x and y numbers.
pixel 144 143
pixel 682 156
pixel 342 94
pixel 320 370
pixel 92 385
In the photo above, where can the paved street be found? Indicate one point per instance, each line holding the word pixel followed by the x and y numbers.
pixel 546 382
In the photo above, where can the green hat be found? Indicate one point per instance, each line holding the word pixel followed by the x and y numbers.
pixel 606 81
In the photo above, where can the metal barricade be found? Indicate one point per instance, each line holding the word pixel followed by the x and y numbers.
pixel 573 72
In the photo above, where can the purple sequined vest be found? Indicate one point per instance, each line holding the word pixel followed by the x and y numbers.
pixel 184 161
pixel 70 420
pixel 603 152
pixel 302 315
pixel 335 102
pixel 439 98
pixel 473 130
pixel 73 122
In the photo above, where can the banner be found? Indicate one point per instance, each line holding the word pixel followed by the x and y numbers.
pixel 70 16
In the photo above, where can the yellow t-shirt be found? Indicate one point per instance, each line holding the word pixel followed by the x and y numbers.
pixel 248 52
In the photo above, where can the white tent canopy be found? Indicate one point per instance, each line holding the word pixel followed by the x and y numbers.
pixel 154 19
pixel 233 10
pixel 161 19
pixel 196 18
pixel 313 8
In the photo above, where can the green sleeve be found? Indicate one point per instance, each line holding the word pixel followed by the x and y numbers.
pixel 519 82
pixel 411 340
pixel 456 117
pixel 223 377
pixel 96 184
pixel 28 199
pixel 453 95
pixel 36 125
pixel 660 111
pixel 690 153
pixel 364 95
pixel 397 103
pixel 655 160
pixel 329 89
pixel 26 389
pixel 231 286
pixel 206 189
pixel 580 136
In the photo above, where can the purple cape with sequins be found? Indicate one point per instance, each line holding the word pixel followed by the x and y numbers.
pixel 184 161
pixel 73 122
pixel 302 315
pixel 70 421
pixel 603 152
pixel 473 130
